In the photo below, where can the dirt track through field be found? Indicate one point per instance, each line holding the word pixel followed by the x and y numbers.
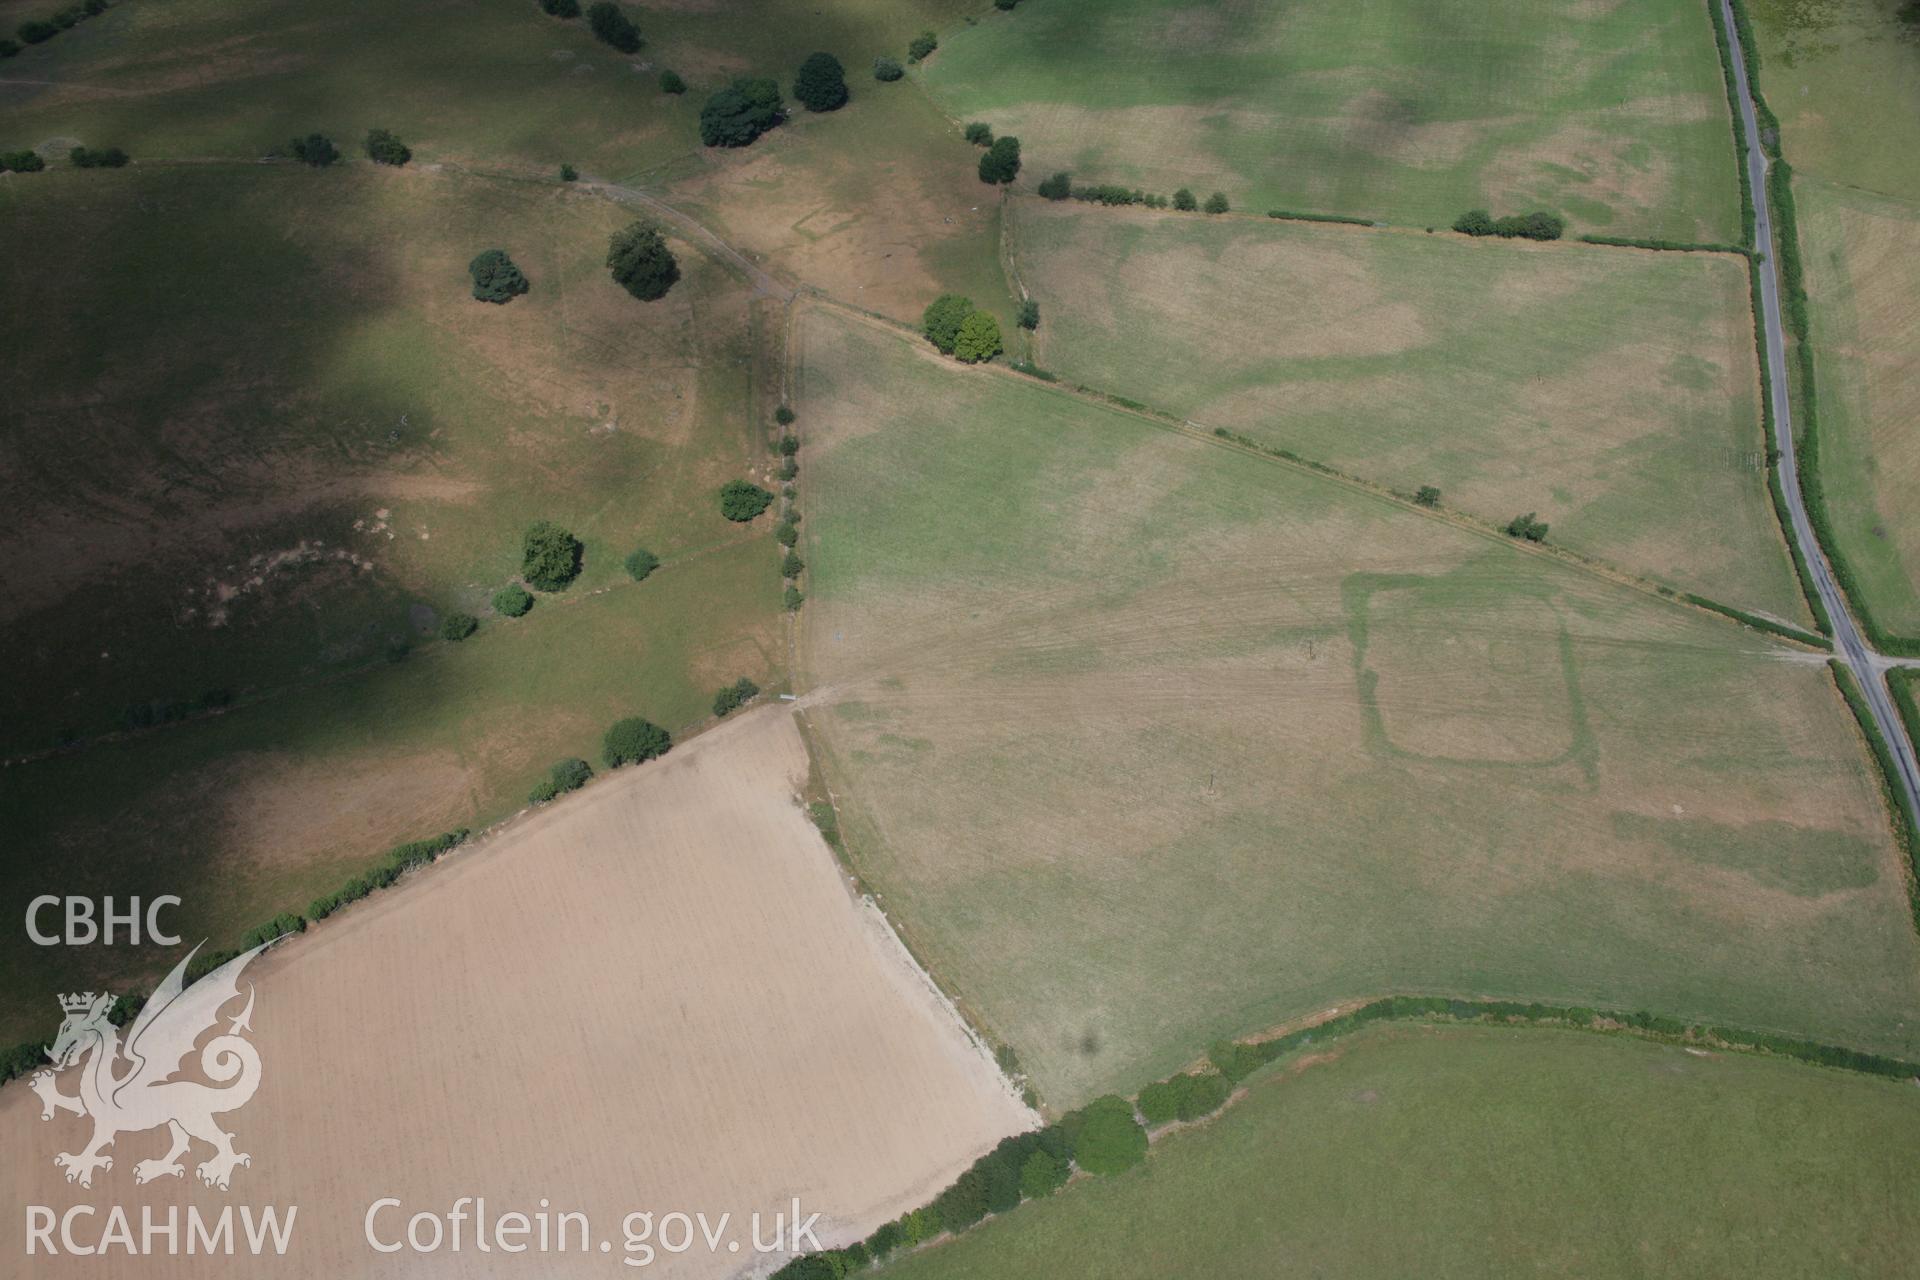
pixel 660 995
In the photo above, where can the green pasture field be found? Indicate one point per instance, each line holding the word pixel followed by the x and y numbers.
pixel 1473 1152
pixel 1614 392
pixel 1144 741
pixel 1611 114
pixel 492 84
pixel 1862 255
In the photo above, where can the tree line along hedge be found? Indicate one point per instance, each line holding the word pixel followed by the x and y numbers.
pixel 634 741
pixel 955 328
pixel 40 30
pixel 567 775
pixel 1538 225
pixel 732 697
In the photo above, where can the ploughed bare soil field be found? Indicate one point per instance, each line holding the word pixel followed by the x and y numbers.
pixel 661 996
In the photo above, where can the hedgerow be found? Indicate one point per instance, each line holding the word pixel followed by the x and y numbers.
pixel 1906 824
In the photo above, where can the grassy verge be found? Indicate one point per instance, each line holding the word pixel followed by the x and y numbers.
pixel 1906 824
pixel 1759 623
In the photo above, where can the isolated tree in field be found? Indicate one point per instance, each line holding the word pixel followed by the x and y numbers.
pixel 568 173
pixel 1001 164
pixel 512 600
pixel 458 626
pixel 633 741
pixel 1526 526
pixel 384 148
pixel 21 161
pixel 639 259
pixel 736 115
pixel 670 82
pixel 922 46
pixel 887 69
pixel 1183 200
pixel 611 24
pixel 98 157
pixel 1058 187
pixel 315 149
pixel 550 557
pixel 1029 314
pixel 821 84
pixel 942 319
pixel 495 277
pixel 641 564
pixel 742 500
pixel 978 339
pixel 979 133
pixel 561 8
pixel 1217 202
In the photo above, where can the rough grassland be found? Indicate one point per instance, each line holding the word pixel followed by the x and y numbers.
pixel 659 996
pixel 1611 113
pixel 1862 256
pixel 1490 1152
pixel 494 84
pixel 1144 742
pixel 1614 393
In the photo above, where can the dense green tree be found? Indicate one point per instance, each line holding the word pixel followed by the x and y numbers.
pixel 1427 496
pixel 21 162
pixel 1109 1140
pixel 789 445
pixel 979 133
pixel 1217 202
pixel 512 600
pixel 1474 222
pixel 561 8
pixel 794 598
pixel 821 84
pixel 612 25
pixel 11 49
pixel 36 31
pixel 733 696
pixel 642 563
pixel 458 626
pixel 1058 187
pixel 568 173
pixel 922 46
pixel 1001 164
pixel 98 157
pixel 783 415
pixel 1527 527
pixel 670 82
pixel 978 339
pixel 640 260
pixel 741 500
pixel 1042 1175
pixel 1184 201
pixel 495 277
pixel 550 557
pixel 633 741
pixel 1005 4
pixel 942 320
pixel 786 535
pixel 964 1203
pixel 570 774
pixel 736 115
pixel 315 149
pixel 884 1240
pixel 887 69
pixel 1029 314
pixel 384 148
pixel 792 565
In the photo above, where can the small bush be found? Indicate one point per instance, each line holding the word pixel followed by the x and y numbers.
pixel 634 741
pixel 512 601
pixel 783 415
pixel 791 565
pixel 1183 200
pixel 1217 202
pixel 1427 496
pixel 495 277
pixel 734 696
pixel 561 8
pixel 1474 222
pixel 789 469
pixel 1058 187
pixel 1001 164
pixel 979 133
pixel 315 149
pixel 102 158
pixel 942 319
pixel 1528 528
pixel 1029 314
pixel 640 260
pixel 21 161
pixel 736 115
pixel 611 24
pixel 641 563
pixel 384 148
pixel 550 557
pixel 742 500
pixel 919 48
pixel 887 70
pixel 571 774
pixel 458 626
pixel 978 339
pixel 793 599
pixel 569 174
pixel 670 82
pixel 1109 1139
pixel 821 84
pixel 789 445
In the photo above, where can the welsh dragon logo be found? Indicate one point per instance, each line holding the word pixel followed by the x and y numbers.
pixel 131 1088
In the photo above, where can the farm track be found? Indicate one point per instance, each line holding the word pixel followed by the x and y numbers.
pixel 1868 666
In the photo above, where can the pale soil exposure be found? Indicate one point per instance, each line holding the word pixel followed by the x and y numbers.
pixel 659 995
